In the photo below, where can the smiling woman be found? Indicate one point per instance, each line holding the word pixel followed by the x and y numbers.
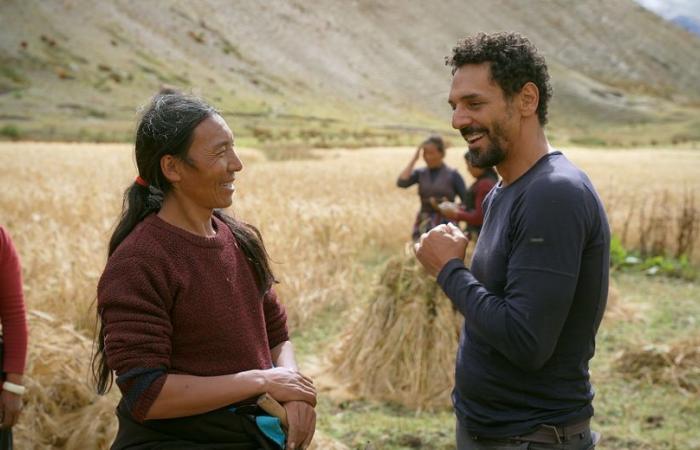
pixel 203 180
pixel 189 320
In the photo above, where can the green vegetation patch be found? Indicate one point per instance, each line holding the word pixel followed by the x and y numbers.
pixel 12 74
pixel 662 265
pixel 11 132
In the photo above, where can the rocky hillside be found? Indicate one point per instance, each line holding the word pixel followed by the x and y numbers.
pixel 338 72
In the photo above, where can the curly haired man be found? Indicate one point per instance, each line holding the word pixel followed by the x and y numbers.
pixel 536 290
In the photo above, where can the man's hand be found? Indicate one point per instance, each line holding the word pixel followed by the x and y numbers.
pixel 10 407
pixel 440 245
pixel 302 424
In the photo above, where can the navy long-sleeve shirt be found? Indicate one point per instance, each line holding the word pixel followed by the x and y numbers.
pixel 532 302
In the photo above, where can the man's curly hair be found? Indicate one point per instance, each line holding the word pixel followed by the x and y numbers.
pixel 513 59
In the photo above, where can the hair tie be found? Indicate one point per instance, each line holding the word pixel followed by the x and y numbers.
pixel 141 182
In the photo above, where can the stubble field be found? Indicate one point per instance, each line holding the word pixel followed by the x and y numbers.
pixel 329 224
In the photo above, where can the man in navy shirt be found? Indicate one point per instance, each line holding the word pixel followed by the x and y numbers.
pixel 537 287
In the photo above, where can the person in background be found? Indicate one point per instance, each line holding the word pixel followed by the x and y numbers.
pixel 436 183
pixel 536 289
pixel 14 337
pixel 189 319
pixel 472 212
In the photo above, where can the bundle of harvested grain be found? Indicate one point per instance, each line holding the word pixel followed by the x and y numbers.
pixel 61 407
pixel 324 442
pixel 402 347
pixel 677 364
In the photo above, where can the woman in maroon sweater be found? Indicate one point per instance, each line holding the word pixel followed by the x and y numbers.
pixel 14 334
pixel 189 320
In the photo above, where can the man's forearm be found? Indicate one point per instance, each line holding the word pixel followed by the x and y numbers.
pixel 524 328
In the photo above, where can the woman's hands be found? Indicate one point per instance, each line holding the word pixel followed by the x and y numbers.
pixel 302 423
pixel 10 404
pixel 289 385
pixel 10 407
pixel 297 394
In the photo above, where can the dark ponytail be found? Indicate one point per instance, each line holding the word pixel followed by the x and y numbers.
pixel 139 201
pixel 251 242
pixel 167 128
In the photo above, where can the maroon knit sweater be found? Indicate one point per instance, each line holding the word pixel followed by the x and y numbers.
pixel 174 302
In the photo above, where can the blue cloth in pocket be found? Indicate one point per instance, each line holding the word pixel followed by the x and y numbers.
pixel 270 426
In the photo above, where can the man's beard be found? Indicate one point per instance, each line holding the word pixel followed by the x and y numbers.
pixel 492 155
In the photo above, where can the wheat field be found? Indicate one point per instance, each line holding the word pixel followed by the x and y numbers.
pixel 327 222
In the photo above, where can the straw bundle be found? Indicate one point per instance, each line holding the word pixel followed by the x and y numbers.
pixel 61 408
pixel 402 348
pixel 677 364
pixel 323 442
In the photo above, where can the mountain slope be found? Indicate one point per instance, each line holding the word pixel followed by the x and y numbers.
pixel 344 69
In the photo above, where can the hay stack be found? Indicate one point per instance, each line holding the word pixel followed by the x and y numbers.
pixel 402 347
pixel 61 408
pixel 323 442
pixel 676 364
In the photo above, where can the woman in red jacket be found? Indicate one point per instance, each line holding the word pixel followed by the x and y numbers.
pixel 472 211
pixel 14 335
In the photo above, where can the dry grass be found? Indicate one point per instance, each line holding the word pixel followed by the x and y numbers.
pixel 649 197
pixel 62 411
pixel 677 364
pixel 619 308
pixel 401 349
pixel 325 222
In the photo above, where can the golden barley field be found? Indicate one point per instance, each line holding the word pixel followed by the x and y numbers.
pixel 328 222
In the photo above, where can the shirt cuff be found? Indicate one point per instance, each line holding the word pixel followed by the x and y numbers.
pixel 447 269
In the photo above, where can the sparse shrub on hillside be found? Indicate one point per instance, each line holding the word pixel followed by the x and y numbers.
pixel 11 132
pixel 6 71
pixel 198 37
